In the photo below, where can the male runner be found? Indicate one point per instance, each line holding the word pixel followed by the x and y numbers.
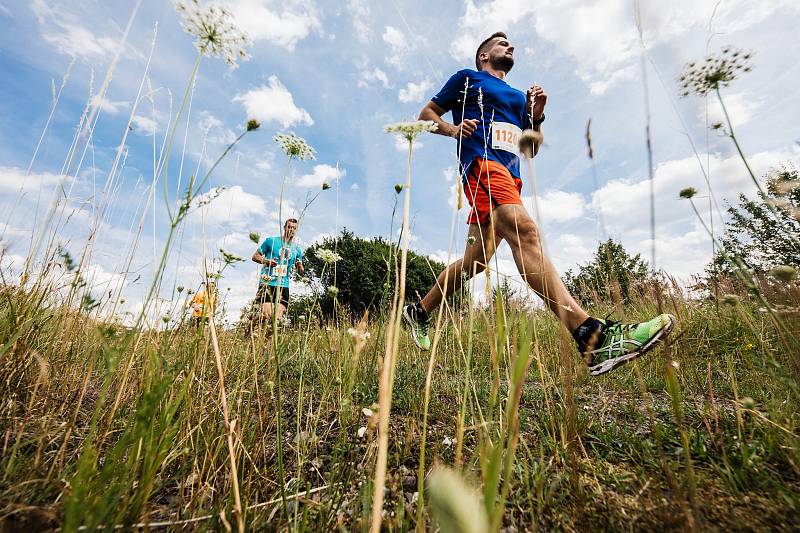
pixel 278 255
pixel 489 116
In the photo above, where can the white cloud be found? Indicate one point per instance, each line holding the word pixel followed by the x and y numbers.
pixel 359 14
pixel 320 175
pixel 557 206
pixel 107 106
pixel 215 130
pixel 273 103
pixel 59 28
pixel 395 38
pixel 282 23
pixel 625 204
pixel 354 186
pixel 144 125
pixel 415 92
pixel 366 77
pixel 401 145
pixel 601 36
pixel 233 207
pixel 741 108
pixel 14 180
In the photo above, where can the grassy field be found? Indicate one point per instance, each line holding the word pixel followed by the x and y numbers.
pixel 104 425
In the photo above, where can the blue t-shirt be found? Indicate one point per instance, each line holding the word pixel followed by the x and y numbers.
pixel 285 254
pixel 503 117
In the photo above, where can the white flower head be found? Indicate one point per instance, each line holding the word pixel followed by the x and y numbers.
pixel 366 411
pixel 328 256
pixel 295 147
pixel 216 32
pixel 362 431
pixel 447 441
pixel 359 336
pixel 410 130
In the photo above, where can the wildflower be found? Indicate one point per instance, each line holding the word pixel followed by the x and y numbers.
pixel 748 403
pixel 329 257
pixel 471 240
pixel 253 124
pixel 731 299
pixel 688 192
pixel 325 185
pixel 398 188
pixel 714 72
pixel 333 291
pixel 217 34
pixel 254 236
pixel 229 258
pixel 362 431
pixel 411 130
pixel 367 412
pixel 783 273
pixel 295 147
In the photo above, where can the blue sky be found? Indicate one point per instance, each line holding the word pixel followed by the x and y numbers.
pixel 335 73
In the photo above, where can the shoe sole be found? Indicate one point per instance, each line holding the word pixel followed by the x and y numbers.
pixel 611 364
pixel 409 322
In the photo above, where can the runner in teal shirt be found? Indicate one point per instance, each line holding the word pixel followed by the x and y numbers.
pixel 278 256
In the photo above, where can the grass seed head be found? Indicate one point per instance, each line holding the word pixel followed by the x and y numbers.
pixel 688 192
pixel 254 236
pixel 253 124
pixel 783 273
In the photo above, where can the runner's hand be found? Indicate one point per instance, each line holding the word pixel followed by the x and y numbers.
pixel 465 129
pixel 538 98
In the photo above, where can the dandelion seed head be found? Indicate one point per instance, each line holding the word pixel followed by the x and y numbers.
pixel 411 130
pixel 295 147
pixel 216 33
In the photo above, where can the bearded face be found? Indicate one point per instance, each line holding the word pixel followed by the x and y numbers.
pixel 501 55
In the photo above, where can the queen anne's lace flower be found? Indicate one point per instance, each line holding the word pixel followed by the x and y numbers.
pixel 714 72
pixel 216 32
pixel 410 130
pixel 328 256
pixel 295 147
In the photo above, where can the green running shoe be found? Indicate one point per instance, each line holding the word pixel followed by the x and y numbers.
pixel 418 321
pixel 620 343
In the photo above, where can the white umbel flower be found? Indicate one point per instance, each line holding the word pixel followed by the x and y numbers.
pixel 328 256
pixel 410 130
pixel 295 147
pixel 216 32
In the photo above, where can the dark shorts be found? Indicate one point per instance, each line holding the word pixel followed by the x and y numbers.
pixel 268 294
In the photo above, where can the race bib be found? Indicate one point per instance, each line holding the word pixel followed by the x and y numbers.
pixel 280 271
pixel 505 136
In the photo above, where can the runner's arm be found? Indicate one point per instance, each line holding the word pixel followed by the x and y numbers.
pixel 434 112
pixel 261 260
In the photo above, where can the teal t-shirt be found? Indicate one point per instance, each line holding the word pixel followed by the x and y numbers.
pixel 285 254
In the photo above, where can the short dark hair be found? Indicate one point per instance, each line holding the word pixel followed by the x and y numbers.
pixel 290 220
pixel 485 46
